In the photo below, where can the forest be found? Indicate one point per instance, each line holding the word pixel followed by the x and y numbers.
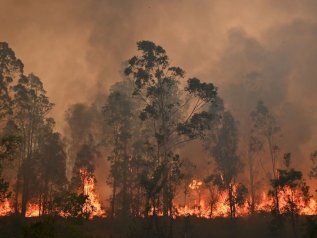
pixel 142 132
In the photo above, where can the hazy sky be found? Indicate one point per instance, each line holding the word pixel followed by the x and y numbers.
pixel 259 49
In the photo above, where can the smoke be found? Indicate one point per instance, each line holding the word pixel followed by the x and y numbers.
pixel 251 50
pixel 279 70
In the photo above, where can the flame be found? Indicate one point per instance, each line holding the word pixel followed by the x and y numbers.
pixel 207 208
pixel 94 208
pixel 202 202
pixel 5 208
pixel 195 184
pixel 33 210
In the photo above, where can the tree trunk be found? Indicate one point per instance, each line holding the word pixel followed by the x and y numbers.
pixel 231 202
pixel 113 200
pixel 25 195
pixel 125 205
pixel 251 176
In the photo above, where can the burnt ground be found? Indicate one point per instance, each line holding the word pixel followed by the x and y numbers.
pixel 258 226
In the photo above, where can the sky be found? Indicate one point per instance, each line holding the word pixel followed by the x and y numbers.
pixel 252 50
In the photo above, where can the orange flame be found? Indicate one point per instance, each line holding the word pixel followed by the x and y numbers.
pixel 94 208
pixel 200 204
pixel 33 210
pixel 5 208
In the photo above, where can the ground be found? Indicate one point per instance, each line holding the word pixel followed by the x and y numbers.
pixel 259 226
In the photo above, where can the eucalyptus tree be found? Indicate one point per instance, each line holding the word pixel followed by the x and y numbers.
pixel 84 166
pixel 223 148
pixel 50 167
pixel 122 130
pixel 11 69
pixel 292 186
pixel 31 107
pixel 254 148
pixel 265 130
pixel 172 107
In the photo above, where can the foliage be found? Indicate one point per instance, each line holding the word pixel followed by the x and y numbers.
pixel 11 68
pixel 72 205
pixel 173 115
pixel 291 184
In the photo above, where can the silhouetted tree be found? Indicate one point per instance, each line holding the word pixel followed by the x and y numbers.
pixel 120 117
pixel 292 187
pixel 51 168
pixel 228 164
pixel 174 113
pixel 11 69
pixel 31 108
pixel 265 129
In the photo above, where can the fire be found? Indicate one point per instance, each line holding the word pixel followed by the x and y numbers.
pixel 33 210
pixel 5 208
pixel 202 203
pixel 203 206
pixel 195 184
pixel 94 206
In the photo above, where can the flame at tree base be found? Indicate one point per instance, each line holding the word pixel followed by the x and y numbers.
pixel 93 207
pixel 5 208
pixel 202 205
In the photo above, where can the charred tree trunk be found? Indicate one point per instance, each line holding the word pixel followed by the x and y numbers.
pixel 113 199
pixel 25 195
pixel 231 201
pixel 125 205
pixel 251 177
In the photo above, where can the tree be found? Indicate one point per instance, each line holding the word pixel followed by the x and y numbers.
pixel 265 129
pixel 84 160
pixel 228 164
pixel 71 205
pixel 50 168
pixel 11 68
pixel 174 113
pixel 291 186
pixel 31 106
pixel 119 115
pixel 254 147
pixel 8 149
pixel 24 125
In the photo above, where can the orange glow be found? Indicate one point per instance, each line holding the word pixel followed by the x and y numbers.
pixel 199 205
pixel 220 208
pixel 5 208
pixel 33 210
pixel 94 206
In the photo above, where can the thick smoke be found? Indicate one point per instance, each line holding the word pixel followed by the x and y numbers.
pixel 251 50
pixel 280 71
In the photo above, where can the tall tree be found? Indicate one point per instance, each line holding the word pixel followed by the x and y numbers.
pixel 265 130
pixel 228 163
pixel 254 147
pixel 31 106
pixel 291 186
pixel 173 112
pixel 50 168
pixel 120 117
pixel 11 68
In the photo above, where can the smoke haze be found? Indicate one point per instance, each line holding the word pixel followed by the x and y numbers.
pixel 252 50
